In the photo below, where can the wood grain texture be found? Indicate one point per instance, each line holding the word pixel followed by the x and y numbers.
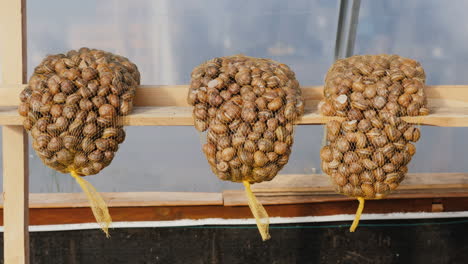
pixel 176 95
pixel 15 194
pixel 52 216
pixel 124 199
pixel 15 142
pixel 322 182
pixel 301 188
pixel 238 198
pixel 167 106
pixel 283 189
pixel 13 49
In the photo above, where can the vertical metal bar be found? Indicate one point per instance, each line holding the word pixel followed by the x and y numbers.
pixel 353 24
pixel 340 36
pixel 346 29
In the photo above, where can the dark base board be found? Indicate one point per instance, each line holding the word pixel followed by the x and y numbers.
pixel 401 241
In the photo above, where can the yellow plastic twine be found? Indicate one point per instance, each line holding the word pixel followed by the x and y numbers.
pixel 258 211
pixel 98 205
pixel 358 214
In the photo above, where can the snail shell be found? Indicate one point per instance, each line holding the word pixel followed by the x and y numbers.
pixel 368 190
pixel 367 177
pixel 355 168
pixel 260 159
pixel 342 145
pixel 326 154
pixel 339 179
pixel 228 154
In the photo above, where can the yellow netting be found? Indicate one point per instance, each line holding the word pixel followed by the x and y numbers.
pixel 258 211
pixel 98 205
pixel 357 217
pixel 73 106
pixel 377 97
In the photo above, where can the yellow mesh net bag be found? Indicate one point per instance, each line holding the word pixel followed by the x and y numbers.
pixel 367 151
pixel 247 108
pixel 73 107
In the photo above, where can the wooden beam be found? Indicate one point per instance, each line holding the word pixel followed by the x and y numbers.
pixel 13 49
pixel 15 194
pixel 238 198
pixel 124 199
pixel 176 95
pixel 301 187
pixel 15 143
pixel 63 208
pixel 321 182
pixel 57 216
pixel 182 116
pixel 167 106
pixel 283 184
pixel 283 189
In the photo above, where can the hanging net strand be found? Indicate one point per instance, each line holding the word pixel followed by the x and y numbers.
pixel 97 203
pixel 357 217
pixel 258 211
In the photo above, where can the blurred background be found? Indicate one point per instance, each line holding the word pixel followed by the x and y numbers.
pixel 166 39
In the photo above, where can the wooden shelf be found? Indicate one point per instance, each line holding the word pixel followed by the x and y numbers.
pixel 124 199
pixel 283 189
pixel 285 196
pixel 166 106
pixel 75 215
pixel 322 183
pixel 313 188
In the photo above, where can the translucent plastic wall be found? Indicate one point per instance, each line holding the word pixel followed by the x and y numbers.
pixel 166 39
pixel 434 33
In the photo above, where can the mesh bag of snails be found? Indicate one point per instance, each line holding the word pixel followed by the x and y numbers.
pixel 369 146
pixel 246 108
pixel 73 107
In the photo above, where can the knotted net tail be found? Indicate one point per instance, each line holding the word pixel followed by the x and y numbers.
pixel 258 211
pixel 97 203
pixel 357 217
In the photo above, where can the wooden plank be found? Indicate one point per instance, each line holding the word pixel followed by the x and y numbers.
pixel 176 95
pixel 51 216
pixel 160 116
pixel 238 197
pixel 321 182
pixel 9 116
pixel 182 116
pixel 15 194
pixel 315 189
pixel 283 195
pixel 9 93
pixel 167 106
pixel 302 188
pixel 15 142
pixel 148 95
pixel 124 199
pixel 13 49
